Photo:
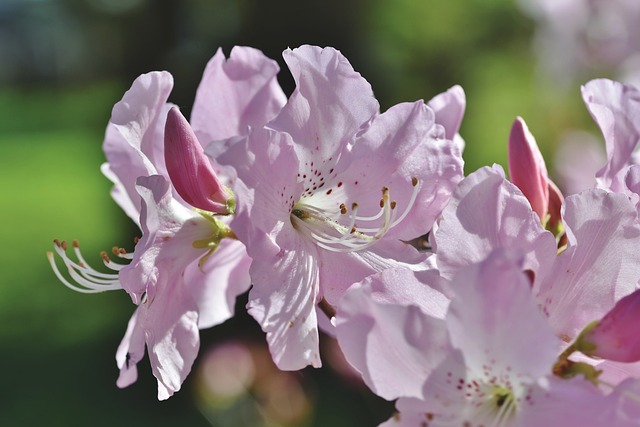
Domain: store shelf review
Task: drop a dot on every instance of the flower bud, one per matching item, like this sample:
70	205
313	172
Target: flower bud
190	169
616	336
527	169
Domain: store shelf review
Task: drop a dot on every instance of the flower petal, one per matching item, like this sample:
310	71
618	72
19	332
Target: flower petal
236	94
487	212
216	285
283	302
495	320
396	148
168	232
387	331
449	107
615	107
599	265
330	104
134	139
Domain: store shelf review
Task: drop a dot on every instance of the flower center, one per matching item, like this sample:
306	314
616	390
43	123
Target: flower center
344	230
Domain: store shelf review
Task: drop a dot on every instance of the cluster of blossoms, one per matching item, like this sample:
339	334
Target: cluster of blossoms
511	305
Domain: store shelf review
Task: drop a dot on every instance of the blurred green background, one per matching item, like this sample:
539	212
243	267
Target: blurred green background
63	64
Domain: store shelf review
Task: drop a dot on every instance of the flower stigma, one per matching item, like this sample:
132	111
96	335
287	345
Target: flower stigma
322	226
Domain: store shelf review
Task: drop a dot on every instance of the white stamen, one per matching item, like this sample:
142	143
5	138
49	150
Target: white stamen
334	236
87	279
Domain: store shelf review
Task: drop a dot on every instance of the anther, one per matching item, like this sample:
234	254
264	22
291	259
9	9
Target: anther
85	279
393	204
414	181
343	209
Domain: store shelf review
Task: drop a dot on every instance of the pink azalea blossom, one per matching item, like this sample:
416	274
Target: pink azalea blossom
183	275
487	363
596	268
328	191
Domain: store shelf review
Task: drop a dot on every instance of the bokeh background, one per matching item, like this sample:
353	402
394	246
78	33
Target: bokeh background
64	63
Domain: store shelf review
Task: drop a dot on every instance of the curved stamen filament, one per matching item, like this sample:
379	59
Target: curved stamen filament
87	279
335	236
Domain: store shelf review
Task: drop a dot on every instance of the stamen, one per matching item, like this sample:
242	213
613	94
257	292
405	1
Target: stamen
332	235
87	279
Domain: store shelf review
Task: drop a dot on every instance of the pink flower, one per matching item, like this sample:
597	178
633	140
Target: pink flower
184	274
597	267
328	191
488	362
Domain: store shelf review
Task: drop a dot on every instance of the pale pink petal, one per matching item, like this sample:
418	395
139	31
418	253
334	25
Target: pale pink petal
130	352
330	104
236	94
121	196
387	331
395	149
615	107
449	108
134	140
576	402
171	331
340	270
169	231
283	302
527	169
495	320
599	265
267	187
632	184
216	284
487	212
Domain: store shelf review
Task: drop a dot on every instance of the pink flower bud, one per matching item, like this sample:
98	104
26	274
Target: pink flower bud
617	336
527	169
190	169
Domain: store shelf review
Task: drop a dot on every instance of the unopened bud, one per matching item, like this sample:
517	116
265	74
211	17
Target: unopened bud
527	169
189	168
615	337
